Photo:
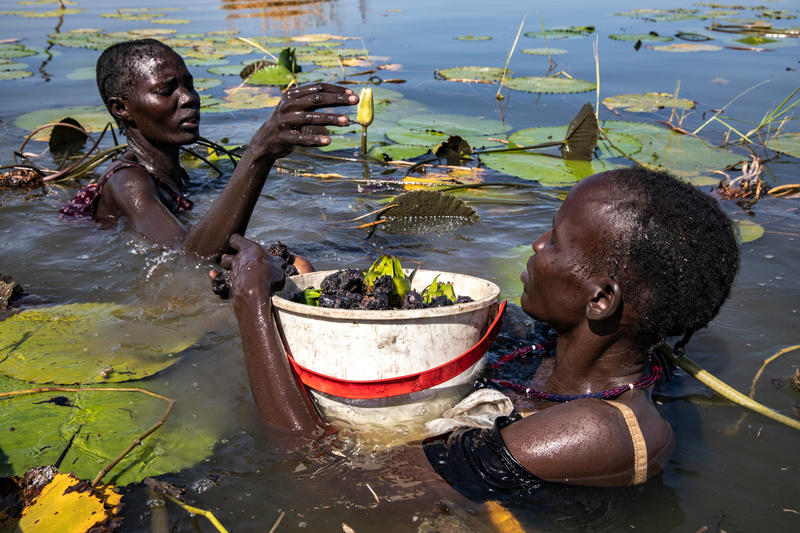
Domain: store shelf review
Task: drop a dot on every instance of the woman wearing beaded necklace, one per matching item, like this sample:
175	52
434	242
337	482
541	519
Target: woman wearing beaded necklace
634	256
150	93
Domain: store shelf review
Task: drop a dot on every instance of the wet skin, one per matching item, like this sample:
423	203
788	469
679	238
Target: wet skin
584	441
160	114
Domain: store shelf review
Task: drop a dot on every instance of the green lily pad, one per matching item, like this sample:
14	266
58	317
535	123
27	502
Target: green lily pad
203	84
574	32
398	152
664	15
245	98
785	143
547	166
73	343
15	74
686	156
547	84
688	47
474	38
544	51
92	118
453	124
647	103
748	231
507	266
643	37
271	75
16	50
83	73
38	428
473	73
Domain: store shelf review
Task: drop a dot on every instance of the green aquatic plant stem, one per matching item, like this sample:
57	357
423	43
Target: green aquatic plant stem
723	389
508	59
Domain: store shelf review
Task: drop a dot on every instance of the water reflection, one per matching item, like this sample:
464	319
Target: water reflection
282	15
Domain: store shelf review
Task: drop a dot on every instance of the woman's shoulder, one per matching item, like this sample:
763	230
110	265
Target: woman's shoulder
590	440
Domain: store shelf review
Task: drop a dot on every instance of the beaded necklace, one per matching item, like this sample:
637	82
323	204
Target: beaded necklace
641	383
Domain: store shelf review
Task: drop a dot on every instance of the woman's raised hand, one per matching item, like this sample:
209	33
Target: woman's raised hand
297	108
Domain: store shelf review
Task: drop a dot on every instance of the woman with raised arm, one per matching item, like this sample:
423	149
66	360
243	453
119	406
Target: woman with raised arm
149	91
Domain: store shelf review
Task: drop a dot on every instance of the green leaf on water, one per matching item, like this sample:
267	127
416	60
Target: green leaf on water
647	103
643	37
15	74
103	424
785	143
83	73
473	73
507	266
547	166
398	152
685	155
748	231
271	75
574	32
474	38
548	84
92	118
73	343
423	211
453	124
544	51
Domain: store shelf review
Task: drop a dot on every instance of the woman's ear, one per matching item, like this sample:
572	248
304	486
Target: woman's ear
118	108
606	299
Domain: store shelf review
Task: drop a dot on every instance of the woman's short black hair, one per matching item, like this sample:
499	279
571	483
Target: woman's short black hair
116	66
672	249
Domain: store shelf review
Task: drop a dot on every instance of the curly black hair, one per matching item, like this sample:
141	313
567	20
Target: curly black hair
672	249
116	67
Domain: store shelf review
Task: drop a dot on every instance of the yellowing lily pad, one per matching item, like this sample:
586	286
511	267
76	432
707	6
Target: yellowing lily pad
688	47
473	73
547	84
647	102
544	51
748	230
80	343
66	504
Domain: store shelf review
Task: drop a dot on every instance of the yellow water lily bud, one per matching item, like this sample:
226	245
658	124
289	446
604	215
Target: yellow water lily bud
366	111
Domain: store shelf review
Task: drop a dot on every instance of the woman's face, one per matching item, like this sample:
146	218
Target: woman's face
163	105
554	285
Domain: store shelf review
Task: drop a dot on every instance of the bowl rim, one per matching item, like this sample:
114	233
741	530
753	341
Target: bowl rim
283	304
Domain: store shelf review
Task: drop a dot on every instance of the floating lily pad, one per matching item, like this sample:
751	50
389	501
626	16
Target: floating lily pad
69	344
544	51
271	75
398	152
474	38
647	103
453	124
203	84
687	47
15	74
92	118
664	15
16	50
547	166
507	266
473	73
643	37
83	73
104	423
786	143
748	231
547	84
687	156
574	32
245	98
